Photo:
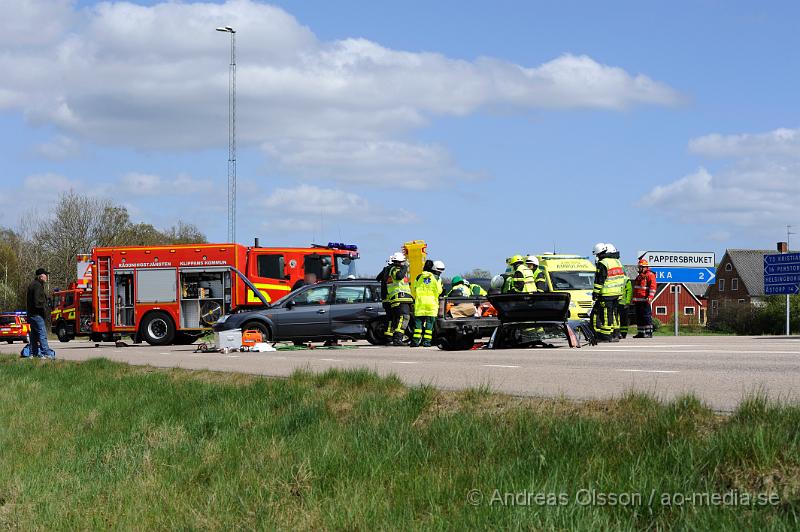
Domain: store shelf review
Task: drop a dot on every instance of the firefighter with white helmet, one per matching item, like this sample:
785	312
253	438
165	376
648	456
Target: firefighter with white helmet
538	275
427	289
398	295
520	280
609	286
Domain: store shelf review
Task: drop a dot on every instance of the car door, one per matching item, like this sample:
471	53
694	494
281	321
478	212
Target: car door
307	315
352	309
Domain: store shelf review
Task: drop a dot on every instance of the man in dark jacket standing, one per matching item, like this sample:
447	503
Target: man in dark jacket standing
37	316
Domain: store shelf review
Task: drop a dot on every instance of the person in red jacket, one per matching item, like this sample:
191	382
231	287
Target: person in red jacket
644	290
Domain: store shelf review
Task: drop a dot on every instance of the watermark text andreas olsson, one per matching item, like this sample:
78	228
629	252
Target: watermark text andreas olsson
594	497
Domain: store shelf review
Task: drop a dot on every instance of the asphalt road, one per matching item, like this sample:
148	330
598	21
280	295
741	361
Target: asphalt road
720	370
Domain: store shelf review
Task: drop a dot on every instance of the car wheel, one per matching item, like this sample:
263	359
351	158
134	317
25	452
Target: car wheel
375	332
260	327
10	341
157	329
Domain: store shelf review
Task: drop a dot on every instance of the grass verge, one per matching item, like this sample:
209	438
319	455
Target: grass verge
106	445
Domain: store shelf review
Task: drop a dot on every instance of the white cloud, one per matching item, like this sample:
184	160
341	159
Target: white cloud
781	142
155	77
31	23
48	184
301	208
139	184
758	189
59	148
386	162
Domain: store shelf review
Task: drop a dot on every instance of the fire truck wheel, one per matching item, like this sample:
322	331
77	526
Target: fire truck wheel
61	332
158	329
258	326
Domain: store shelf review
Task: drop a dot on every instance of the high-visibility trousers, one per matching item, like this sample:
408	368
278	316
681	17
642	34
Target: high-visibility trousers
423	329
604	316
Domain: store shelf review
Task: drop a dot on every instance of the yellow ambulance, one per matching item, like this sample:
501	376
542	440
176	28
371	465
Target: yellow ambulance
572	274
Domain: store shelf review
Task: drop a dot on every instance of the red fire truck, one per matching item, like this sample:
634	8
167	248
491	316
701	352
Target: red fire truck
173	294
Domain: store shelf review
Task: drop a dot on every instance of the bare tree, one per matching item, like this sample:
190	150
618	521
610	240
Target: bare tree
478	273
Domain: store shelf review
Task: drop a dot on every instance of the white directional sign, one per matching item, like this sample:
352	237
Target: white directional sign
680	259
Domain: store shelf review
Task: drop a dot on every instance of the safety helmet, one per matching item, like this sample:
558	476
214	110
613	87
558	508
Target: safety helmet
531	259
599	248
497	282
643	262
397	257
457	280
516	259
610	248
438	266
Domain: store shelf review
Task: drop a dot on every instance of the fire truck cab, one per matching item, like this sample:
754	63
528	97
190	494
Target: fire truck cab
71	314
173	294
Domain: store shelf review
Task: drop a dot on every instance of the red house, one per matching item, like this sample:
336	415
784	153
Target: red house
692	308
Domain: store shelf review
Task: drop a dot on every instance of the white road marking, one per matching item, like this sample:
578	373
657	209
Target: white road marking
498	366
648	370
163	353
404	362
649	346
232	356
699	351
330	359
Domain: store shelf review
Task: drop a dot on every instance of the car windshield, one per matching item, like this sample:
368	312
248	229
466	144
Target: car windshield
572	280
8	320
345	266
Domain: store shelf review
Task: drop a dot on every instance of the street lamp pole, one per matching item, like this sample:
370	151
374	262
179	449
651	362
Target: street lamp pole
231	137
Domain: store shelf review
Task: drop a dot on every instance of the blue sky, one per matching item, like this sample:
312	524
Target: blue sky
486	130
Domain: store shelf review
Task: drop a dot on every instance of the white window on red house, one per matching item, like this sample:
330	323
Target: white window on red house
714	303
688	311
722	285
741	301
729	267
661	311
734	284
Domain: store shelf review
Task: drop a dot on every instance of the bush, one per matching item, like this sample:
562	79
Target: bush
748	319
656	324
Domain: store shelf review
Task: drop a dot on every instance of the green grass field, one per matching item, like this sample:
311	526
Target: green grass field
101	445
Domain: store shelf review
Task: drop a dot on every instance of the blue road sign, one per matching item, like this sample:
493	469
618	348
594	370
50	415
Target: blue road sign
781	258
782	273
779	289
791	278
685	275
777	269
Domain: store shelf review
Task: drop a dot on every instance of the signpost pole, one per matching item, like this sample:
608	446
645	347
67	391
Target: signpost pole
675	314
788	248
788	331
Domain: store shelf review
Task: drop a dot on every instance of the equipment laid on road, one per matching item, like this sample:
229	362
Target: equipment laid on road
173	294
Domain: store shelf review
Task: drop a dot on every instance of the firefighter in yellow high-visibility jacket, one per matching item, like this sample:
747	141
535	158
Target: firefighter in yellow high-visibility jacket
427	289
609	285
